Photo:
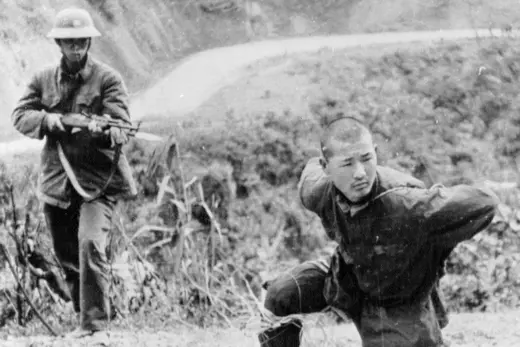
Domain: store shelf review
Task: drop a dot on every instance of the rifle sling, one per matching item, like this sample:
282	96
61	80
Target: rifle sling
74	180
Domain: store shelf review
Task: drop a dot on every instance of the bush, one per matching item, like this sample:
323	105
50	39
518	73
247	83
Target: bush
447	116
270	148
433	115
483	273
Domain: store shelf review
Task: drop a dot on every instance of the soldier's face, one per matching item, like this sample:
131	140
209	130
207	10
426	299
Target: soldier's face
74	50
352	167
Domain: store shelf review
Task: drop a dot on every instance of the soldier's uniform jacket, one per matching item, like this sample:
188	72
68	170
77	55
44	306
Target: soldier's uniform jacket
394	242
96	89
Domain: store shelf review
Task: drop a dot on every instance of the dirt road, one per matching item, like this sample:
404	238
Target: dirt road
198	77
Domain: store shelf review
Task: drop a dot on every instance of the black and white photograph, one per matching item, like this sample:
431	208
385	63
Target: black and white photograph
263	173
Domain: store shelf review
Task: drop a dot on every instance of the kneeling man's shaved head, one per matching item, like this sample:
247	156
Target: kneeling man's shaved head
341	131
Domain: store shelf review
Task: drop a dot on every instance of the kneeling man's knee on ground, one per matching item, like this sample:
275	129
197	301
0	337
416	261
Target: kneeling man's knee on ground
297	291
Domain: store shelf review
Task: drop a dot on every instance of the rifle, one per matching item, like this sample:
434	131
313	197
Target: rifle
82	120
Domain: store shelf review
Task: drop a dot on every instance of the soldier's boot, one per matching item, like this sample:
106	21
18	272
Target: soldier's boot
287	335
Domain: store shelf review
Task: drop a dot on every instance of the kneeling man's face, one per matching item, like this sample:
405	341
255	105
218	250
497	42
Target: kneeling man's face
352	167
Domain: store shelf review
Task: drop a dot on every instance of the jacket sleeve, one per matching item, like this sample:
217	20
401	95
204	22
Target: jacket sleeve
452	215
115	97
28	115
314	187
393	178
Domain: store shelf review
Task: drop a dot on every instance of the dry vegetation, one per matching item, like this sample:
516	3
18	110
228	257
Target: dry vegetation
218	210
145	41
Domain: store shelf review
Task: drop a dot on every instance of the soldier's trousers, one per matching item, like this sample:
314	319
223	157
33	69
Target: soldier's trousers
301	290
80	237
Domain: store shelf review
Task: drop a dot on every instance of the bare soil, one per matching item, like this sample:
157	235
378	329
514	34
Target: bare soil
464	330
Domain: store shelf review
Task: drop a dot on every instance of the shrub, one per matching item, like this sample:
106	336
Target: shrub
432	114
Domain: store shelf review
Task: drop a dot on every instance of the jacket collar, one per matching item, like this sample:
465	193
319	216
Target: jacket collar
347	206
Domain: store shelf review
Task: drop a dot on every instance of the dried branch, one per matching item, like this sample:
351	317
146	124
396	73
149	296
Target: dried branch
180	245
22	289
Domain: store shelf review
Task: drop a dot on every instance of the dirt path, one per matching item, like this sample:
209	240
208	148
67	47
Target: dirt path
464	330
201	75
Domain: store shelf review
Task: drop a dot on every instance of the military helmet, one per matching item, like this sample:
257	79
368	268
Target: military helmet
73	23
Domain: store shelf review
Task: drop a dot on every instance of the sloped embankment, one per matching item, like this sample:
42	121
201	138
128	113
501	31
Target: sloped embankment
142	39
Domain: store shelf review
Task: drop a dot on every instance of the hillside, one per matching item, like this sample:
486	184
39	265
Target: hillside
434	114
434	117
445	113
142	41
145	41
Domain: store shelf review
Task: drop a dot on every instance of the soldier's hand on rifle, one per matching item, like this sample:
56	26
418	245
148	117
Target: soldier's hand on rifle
94	127
52	123
118	136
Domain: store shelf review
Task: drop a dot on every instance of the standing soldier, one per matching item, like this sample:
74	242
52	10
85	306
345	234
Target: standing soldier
393	237
83	172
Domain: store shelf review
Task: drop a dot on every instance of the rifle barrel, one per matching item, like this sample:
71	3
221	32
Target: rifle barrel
123	126
80	120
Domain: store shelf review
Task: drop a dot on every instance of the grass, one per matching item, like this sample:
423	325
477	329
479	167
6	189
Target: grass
464	330
365	82
398	88
255	150
168	31
247	148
